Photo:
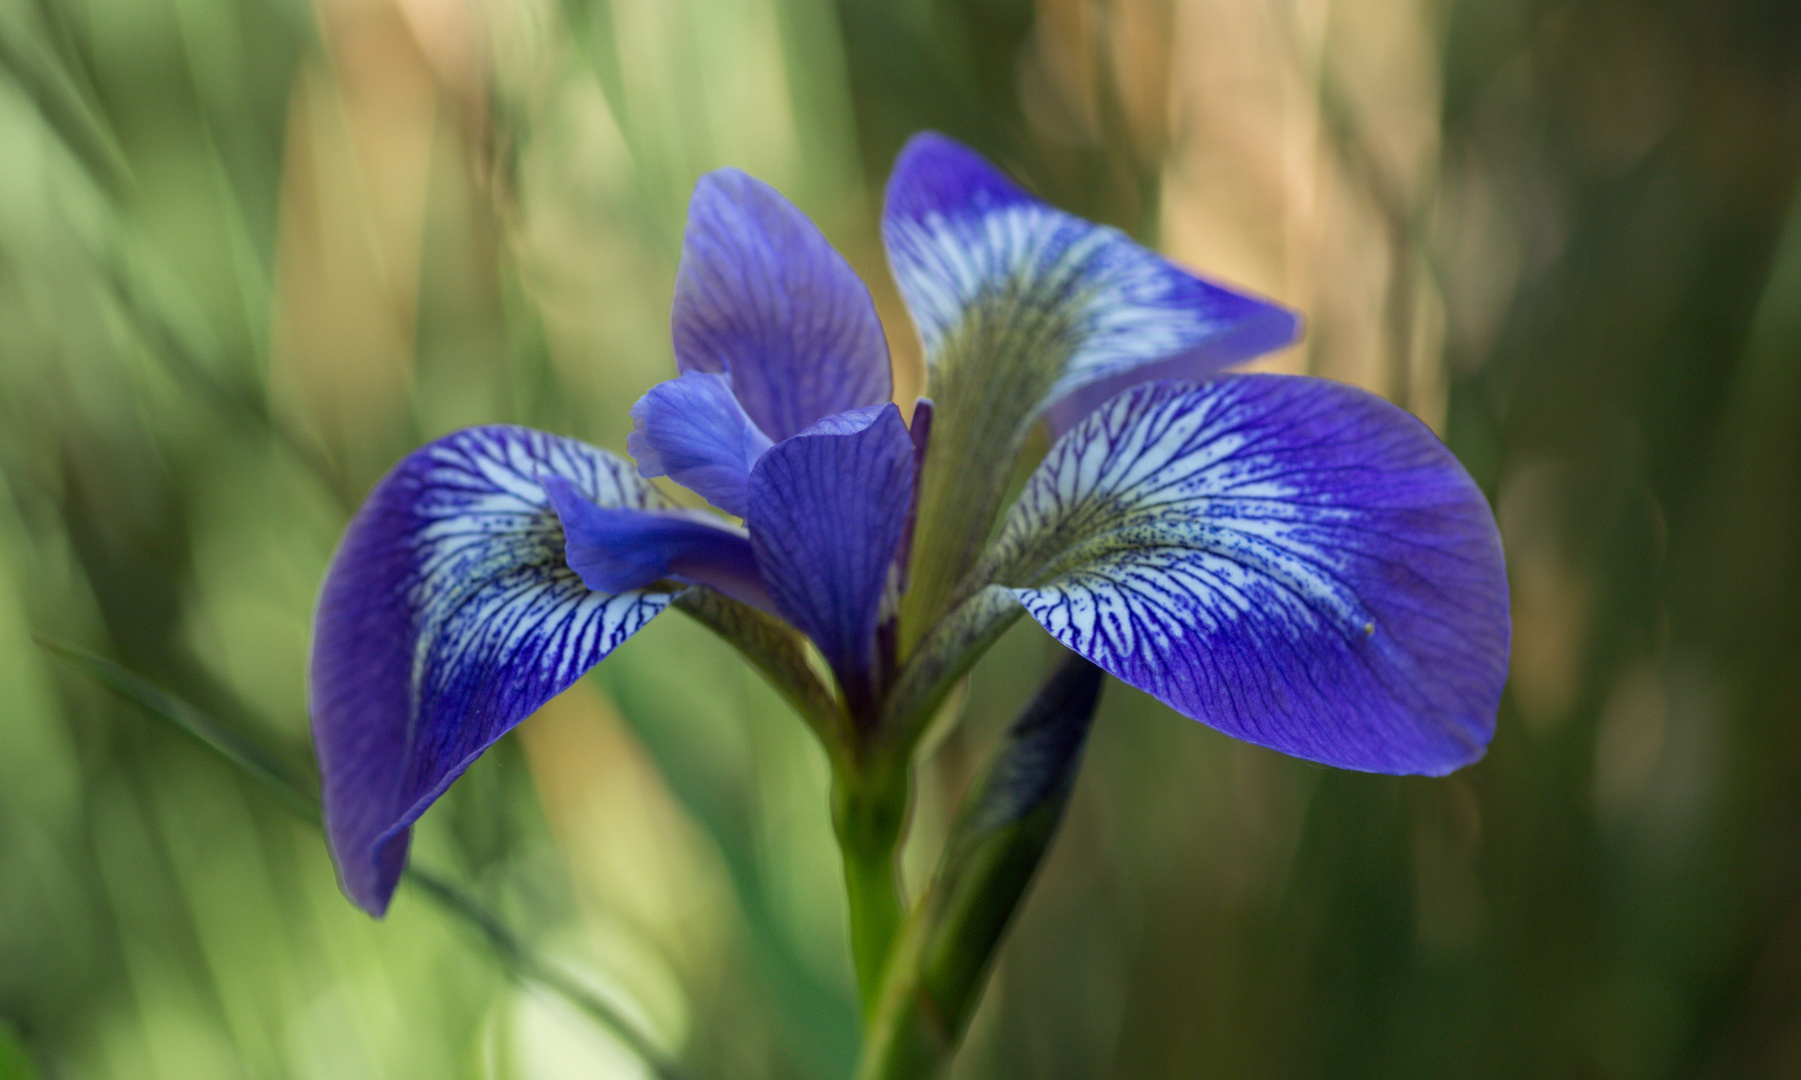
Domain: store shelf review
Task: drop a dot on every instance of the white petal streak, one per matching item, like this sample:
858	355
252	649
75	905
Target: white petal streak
1124	306
492	593
1294	561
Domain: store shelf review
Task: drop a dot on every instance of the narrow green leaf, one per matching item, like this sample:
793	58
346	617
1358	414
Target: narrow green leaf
66	110
286	783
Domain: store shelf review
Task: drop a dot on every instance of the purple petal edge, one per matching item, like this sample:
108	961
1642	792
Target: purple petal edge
936	174
1257	328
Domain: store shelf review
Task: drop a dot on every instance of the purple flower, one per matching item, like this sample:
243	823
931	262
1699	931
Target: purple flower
1292	561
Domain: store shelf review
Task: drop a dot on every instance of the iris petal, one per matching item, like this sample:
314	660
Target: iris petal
827	510
448	615
762	296
1252	336
1023	308
616	550
974	254
1292	561
694	431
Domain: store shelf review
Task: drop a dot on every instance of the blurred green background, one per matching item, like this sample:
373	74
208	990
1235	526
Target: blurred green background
252	251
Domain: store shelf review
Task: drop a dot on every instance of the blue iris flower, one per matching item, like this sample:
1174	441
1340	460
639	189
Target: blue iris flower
1292	561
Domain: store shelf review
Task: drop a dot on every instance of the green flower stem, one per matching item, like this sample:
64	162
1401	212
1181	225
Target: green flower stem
869	811
869	801
872	782
939	967
907	1039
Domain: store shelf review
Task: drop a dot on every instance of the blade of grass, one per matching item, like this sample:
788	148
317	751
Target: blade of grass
71	117
258	763
294	790
58	97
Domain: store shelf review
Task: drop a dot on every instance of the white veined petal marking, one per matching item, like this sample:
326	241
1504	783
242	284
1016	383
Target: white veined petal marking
1293	561
1161	512
1118	301
1019	305
448	615
492	591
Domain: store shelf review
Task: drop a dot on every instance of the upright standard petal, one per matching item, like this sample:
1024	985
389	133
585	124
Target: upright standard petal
1022	309
761	295
694	431
448	615
1295	562
827	510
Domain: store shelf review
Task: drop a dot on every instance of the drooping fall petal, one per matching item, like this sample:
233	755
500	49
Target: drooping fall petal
1293	561
449	614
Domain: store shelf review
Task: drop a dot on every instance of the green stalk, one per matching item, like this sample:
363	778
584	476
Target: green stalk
872	785
869	810
940	964
871	788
